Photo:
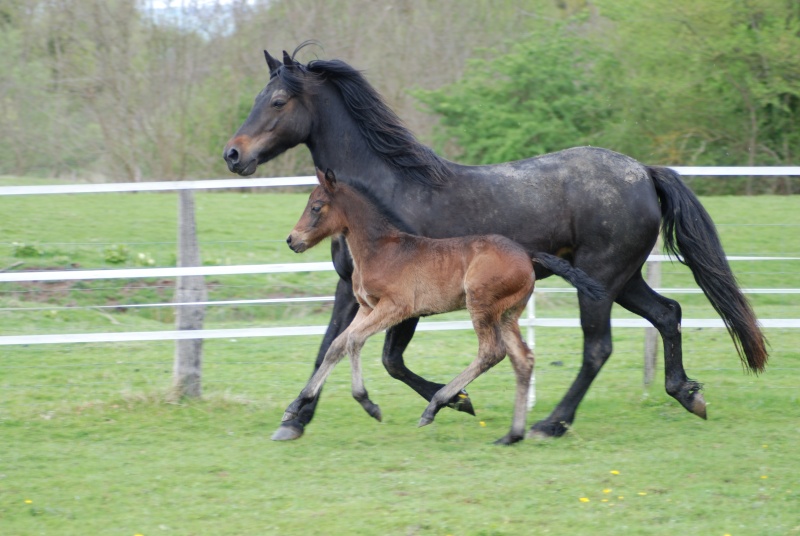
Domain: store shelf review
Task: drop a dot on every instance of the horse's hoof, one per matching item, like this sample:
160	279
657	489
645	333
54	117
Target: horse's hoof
287	433
699	406
509	439
462	402
547	430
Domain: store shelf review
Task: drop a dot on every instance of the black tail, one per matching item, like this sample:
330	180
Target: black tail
690	235
577	277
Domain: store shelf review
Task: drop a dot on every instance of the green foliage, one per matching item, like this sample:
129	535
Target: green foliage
668	82
541	96
21	249
116	254
709	83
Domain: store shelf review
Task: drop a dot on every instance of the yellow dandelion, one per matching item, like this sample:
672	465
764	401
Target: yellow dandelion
763	446
642	493
482	423
607	490
614	472
620	497
28	501
764	477
584	499
603	500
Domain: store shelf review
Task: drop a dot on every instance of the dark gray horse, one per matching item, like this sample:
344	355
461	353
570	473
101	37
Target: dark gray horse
598	209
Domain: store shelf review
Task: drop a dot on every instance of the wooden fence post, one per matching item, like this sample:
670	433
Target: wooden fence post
187	370
653	278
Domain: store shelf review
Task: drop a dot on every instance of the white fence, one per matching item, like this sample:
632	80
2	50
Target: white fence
427	325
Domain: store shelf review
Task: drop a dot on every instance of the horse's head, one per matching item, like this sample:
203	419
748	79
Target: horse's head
278	121
320	219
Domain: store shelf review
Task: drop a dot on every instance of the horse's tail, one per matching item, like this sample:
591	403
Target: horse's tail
690	235
577	277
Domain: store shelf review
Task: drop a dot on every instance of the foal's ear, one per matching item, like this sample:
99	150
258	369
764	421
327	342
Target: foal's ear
272	63
330	181
287	59
320	177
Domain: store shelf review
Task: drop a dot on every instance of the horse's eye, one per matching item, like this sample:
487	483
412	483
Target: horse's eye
278	104
316	209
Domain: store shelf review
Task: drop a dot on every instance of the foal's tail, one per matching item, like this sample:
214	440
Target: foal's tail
690	235
577	277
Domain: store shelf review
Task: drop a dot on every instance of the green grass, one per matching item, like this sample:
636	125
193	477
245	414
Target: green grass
90	443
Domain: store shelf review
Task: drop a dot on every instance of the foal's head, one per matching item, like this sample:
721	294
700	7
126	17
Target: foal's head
321	218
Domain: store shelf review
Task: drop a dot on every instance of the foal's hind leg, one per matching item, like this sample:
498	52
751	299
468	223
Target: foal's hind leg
397	339
490	352
665	315
522	361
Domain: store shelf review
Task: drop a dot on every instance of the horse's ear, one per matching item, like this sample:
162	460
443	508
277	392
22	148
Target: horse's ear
320	177
287	59
272	63
330	181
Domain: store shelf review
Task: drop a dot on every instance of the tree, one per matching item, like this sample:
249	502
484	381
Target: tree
542	96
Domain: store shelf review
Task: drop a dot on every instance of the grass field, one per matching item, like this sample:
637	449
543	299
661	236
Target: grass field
90	443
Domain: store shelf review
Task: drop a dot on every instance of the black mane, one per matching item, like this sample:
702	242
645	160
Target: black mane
382	130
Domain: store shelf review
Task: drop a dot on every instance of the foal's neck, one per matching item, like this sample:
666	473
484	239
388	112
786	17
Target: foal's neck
365	225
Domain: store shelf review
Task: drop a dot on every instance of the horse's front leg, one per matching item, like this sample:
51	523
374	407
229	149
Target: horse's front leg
397	340
345	308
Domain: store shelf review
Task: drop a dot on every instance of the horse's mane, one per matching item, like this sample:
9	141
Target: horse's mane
382	130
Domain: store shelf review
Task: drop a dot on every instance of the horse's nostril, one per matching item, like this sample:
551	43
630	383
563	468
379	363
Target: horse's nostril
233	155
289	239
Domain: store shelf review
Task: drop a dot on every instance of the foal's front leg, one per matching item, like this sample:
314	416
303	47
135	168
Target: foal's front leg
334	354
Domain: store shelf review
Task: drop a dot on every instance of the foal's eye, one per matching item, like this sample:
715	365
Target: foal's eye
316	209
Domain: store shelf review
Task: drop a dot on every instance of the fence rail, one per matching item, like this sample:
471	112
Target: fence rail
318	266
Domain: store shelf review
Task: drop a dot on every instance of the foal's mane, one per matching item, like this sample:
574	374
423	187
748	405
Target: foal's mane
384	212
382	130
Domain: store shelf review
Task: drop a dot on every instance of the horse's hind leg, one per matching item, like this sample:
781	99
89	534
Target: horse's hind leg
490	352
596	325
522	361
665	315
397	339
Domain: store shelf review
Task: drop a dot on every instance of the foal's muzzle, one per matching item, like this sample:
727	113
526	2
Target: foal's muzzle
298	246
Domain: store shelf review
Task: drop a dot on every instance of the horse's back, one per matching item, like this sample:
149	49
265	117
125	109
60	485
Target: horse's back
567	199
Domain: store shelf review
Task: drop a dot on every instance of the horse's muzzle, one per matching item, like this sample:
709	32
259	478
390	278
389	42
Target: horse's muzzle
237	164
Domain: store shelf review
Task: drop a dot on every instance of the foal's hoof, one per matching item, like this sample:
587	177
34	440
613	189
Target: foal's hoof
374	411
287	433
462	402
547	430
425	420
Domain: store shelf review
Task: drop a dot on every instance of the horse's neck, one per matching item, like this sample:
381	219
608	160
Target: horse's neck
335	141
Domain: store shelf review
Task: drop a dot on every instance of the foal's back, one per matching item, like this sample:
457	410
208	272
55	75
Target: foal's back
447	274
